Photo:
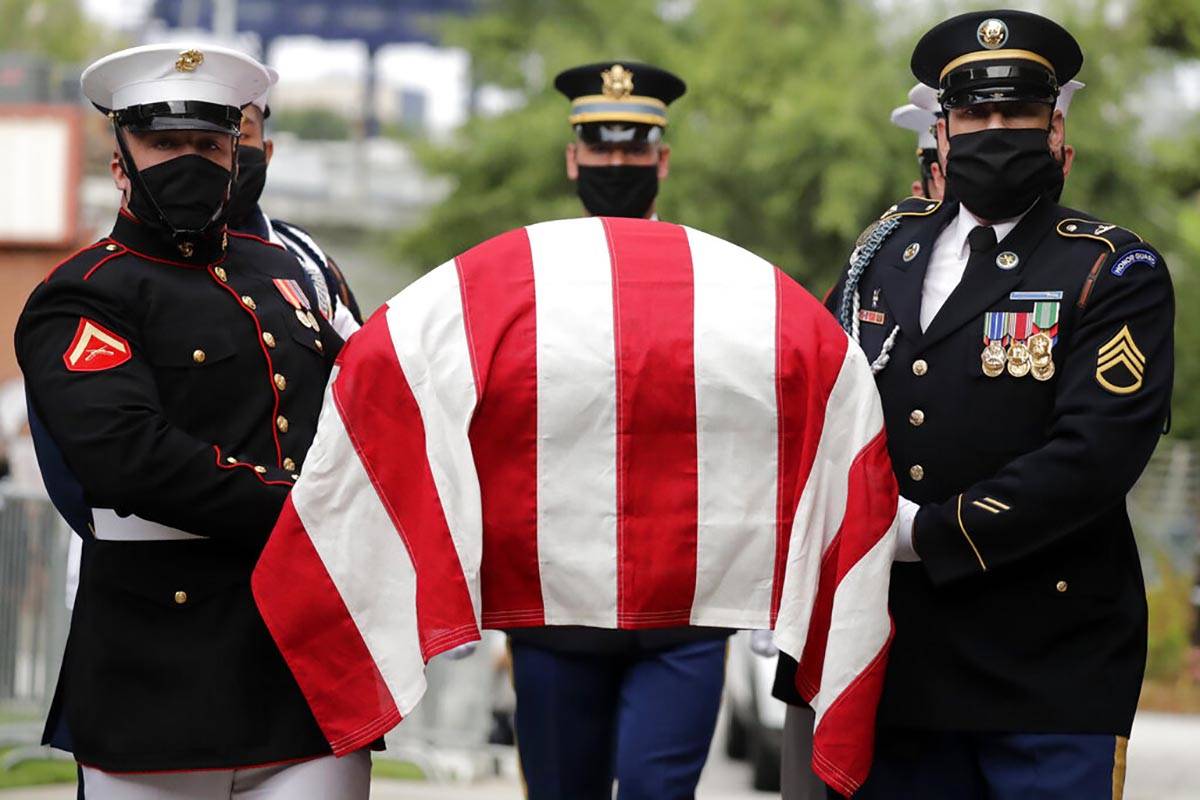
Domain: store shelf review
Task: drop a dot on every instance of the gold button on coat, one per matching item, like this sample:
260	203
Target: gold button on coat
112	248
916	472
230	460
198	356
1061	586
248	301
289	465
269	338
180	597
917	418
260	469
320	345
920	367
220	273
281	423
280	382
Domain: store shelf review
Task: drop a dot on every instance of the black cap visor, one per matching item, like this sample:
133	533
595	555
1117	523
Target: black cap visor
997	83
180	115
618	134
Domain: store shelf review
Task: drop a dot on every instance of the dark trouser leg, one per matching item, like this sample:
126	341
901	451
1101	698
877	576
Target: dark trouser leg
923	765
669	703
565	722
1034	766
798	781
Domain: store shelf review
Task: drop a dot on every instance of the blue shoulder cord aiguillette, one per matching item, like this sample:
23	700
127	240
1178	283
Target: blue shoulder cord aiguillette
851	302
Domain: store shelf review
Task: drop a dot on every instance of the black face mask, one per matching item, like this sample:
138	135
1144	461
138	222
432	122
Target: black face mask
618	191
1000	172
190	191
251	178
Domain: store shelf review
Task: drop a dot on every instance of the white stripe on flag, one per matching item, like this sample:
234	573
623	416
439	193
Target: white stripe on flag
737	446
577	422
859	624
853	418
430	339
364	555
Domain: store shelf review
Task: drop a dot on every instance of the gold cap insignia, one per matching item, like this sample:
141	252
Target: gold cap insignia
1121	351
618	82
992	33
188	61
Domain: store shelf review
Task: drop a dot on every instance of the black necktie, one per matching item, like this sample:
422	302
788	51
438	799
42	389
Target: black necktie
981	239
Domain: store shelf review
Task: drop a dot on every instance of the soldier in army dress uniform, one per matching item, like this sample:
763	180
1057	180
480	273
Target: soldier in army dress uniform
1024	355
175	371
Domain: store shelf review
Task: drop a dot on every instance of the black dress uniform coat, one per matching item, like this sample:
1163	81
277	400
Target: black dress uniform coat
183	391
1027	611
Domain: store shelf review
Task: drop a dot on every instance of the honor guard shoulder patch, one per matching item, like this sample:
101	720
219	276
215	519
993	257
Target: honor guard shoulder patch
912	207
1120	365
1111	236
95	348
1129	259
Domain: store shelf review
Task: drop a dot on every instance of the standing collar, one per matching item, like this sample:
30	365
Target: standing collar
160	246
966	222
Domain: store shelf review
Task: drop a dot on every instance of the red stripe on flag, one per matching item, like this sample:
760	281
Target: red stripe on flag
496	279
384	424
870	511
844	742
805	374
657	495
317	637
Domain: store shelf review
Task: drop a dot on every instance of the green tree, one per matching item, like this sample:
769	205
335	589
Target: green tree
311	123
55	28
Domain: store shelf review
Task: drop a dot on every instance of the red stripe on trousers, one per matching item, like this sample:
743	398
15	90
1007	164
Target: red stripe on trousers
317	637
384	424
870	511
809	351
653	308
496	279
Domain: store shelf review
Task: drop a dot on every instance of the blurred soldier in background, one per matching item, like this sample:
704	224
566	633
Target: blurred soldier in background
175	371
596	704
335	301
932	182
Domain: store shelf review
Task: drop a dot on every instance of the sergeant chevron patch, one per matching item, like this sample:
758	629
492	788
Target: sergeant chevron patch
1120	366
95	348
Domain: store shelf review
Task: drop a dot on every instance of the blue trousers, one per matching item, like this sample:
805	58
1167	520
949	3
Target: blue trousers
924	765
645	719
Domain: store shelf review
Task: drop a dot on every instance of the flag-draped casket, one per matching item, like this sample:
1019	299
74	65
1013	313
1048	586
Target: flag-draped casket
605	422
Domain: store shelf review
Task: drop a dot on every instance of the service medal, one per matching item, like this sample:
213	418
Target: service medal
1019	362
995	324
303	317
993	360
1044	372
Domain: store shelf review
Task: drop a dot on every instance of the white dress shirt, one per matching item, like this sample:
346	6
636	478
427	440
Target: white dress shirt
947	263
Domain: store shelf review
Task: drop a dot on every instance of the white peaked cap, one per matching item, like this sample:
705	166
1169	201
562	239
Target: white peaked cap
925	97
920	120
1066	92
261	100
159	73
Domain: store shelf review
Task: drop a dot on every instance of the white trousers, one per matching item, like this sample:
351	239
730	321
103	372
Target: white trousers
346	778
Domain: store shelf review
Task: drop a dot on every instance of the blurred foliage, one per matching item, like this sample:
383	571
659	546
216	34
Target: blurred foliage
54	28
310	123
1170	619
782	142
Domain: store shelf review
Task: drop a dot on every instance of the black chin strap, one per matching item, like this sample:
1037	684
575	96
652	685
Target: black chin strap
184	240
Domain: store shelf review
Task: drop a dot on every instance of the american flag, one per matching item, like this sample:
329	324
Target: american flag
605	422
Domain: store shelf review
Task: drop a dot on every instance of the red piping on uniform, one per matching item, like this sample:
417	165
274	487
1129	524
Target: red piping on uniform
157	260
255	238
236	464
105	260
72	256
270	365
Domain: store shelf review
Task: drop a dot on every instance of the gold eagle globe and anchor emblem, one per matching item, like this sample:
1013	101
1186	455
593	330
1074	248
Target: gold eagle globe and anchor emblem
992	33
189	60
618	82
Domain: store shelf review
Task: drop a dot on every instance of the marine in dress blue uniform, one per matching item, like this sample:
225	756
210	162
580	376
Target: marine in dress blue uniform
1022	402
595	705
174	372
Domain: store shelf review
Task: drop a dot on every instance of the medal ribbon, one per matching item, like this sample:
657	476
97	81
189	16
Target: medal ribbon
1045	319
995	324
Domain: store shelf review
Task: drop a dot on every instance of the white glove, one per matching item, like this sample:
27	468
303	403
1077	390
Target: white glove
462	651
762	643
906	520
